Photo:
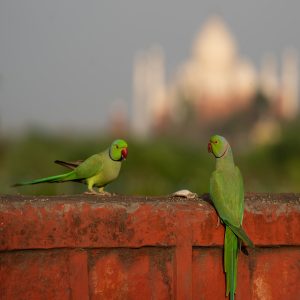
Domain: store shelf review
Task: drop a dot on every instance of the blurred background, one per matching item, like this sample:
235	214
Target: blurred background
164	75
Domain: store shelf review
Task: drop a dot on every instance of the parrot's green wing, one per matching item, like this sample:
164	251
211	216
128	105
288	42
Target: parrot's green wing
227	192
90	167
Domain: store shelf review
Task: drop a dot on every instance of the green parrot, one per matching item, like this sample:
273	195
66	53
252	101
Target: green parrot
96	171
227	194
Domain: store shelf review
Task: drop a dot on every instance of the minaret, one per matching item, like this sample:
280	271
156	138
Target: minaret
159	105
269	82
148	90
290	85
140	122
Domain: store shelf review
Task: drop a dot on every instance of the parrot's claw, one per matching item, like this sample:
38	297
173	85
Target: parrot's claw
185	193
98	193
104	193
90	193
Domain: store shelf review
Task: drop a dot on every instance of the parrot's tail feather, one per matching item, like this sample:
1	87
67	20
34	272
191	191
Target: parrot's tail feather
55	178
230	261
239	231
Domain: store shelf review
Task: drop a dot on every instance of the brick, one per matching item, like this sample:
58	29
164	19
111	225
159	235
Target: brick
34	275
275	273
144	273
78	272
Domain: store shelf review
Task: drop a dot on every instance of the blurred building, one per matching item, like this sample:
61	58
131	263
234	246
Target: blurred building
281	89
215	81
149	91
289	97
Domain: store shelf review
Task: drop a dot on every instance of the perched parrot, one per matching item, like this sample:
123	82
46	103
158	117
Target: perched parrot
227	194
96	171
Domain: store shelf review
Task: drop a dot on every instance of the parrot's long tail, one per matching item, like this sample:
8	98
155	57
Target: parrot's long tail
55	178
230	261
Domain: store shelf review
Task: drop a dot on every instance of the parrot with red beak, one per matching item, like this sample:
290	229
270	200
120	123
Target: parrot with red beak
96	171
227	194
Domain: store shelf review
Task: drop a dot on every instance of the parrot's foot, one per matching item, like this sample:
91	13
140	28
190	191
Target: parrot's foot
185	193
90	193
244	250
103	193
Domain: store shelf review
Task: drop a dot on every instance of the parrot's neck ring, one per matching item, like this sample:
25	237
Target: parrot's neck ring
225	151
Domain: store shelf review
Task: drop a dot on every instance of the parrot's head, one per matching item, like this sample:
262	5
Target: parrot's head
118	150
218	146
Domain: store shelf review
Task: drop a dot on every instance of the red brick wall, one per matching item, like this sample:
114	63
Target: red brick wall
79	247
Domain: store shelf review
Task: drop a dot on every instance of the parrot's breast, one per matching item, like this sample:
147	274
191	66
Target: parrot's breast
109	173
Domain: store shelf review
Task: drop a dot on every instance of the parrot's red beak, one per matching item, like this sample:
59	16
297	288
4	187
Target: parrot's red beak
124	153
209	148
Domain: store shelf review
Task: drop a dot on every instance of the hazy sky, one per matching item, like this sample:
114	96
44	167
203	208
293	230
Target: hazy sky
63	62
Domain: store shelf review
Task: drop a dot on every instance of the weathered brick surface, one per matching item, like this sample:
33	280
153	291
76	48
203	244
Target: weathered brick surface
126	273
275	273
29	274
78	247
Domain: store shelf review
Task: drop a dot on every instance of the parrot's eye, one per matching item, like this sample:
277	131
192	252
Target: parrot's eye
117	146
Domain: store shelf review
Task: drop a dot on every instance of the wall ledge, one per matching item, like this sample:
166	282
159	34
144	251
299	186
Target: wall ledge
31	222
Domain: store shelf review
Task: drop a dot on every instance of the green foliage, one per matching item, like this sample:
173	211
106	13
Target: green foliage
155	167
275	167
